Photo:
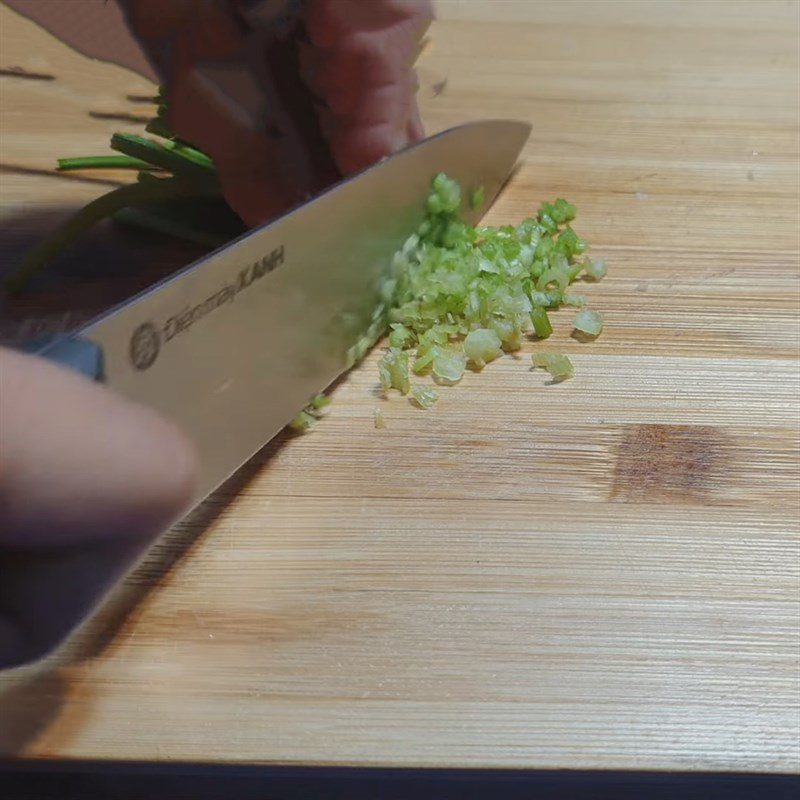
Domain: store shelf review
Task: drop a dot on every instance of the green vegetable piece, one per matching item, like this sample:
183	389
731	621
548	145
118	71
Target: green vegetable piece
574	300
184	161
445	195
573	270
482	346
424	396
393	371
547	221
558	365
320	402
401	336
589	323
476	198
449	366
553	275
560	262
303	422
103	162
544	248
310	415
595	270
461	293
563	211
424	359
541	322
509	333
380	421
559	212
569	244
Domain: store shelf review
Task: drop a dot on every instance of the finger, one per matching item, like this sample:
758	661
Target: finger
216	104
87	480
260	170
329	21
378	127
360	63
390	103
208	24
415	130
79	464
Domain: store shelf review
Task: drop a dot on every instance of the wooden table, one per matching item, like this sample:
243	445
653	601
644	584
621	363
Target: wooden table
600	574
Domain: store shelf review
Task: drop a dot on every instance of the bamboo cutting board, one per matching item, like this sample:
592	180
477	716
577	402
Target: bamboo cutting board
603	573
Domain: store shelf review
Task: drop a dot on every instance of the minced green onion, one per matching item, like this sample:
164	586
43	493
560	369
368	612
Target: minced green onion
561	211
311	414
574	300
476	199
424	396
445	197
424	361
553	275
459	294
595	270
558	365
541	322
303	422
465	294
400	335
449	365
393	370
320	402
589	322
482	346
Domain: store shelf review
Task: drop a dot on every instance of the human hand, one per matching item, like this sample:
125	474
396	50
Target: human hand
87	480
238	86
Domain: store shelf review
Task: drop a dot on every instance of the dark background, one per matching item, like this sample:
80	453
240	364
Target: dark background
130	781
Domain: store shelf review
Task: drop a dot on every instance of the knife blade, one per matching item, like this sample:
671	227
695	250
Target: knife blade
234	345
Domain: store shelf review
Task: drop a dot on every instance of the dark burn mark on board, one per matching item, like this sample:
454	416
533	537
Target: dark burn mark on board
669	464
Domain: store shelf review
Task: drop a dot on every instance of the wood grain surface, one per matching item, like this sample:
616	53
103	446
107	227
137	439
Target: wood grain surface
603	573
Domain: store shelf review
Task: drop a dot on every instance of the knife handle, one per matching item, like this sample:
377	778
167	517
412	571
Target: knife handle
73	352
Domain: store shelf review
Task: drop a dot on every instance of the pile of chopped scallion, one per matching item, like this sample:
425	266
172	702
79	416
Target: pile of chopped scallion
463	295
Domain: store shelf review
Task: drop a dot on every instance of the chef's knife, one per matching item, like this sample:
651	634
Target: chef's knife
233	346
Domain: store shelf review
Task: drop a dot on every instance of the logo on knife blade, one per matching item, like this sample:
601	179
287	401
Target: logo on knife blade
148	338
144	347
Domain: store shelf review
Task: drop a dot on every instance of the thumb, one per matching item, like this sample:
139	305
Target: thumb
79	463
87	480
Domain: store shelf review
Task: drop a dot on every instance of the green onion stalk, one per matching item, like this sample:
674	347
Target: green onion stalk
174	180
